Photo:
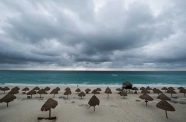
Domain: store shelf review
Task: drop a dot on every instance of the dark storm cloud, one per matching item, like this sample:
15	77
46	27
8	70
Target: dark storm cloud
111	34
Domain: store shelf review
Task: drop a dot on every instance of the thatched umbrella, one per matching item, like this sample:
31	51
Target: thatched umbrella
127	85
47	88
183	91
54	92
95	91
67	88
157	91
7	98
171	91
145	91
146	97
48	105
148	88
135	90
164	105
179	88
13	91
5	89
118	89
67	92
57	88
31	92
123	93
98	89
94	101
170	88
25	89
41	91
15	88
164	88
87	90
78	90
142	88
36	88
163	97
108	91
81	94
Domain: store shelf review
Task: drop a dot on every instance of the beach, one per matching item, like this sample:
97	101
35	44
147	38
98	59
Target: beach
116	108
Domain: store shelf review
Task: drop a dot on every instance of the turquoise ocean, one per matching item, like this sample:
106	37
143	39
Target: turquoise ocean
139	78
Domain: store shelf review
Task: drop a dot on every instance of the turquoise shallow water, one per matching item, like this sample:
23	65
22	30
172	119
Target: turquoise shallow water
93	77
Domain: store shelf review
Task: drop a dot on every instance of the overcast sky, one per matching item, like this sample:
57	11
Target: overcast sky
93	34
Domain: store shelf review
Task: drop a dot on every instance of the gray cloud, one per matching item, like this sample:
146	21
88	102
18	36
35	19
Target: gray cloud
108	34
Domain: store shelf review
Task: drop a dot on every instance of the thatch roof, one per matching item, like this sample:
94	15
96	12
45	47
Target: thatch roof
146	97
87	90
171	91
67	92
54	91
163	97
42	91
95	91
25	89
118	89
15	88
123	93
8	98
49	104
81	94
36	88
148	88
108	90
142	88
164	88
78	90
127	85
14	91
67	88
134	88
57	88
5	88
155	90
171	88
31	92
94	101
145	91
98	89
47	88
165	106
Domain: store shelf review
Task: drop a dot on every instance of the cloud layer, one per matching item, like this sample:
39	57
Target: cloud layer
93	34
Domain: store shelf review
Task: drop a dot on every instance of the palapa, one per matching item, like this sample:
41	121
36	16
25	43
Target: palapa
164	105
94	101
7	98
67	93
81	94
41	91
163	97
5	89
54	91
48	105
78	90
87	90
31	92
146	97
108	91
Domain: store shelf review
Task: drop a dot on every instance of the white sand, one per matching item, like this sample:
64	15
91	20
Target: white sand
114	109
